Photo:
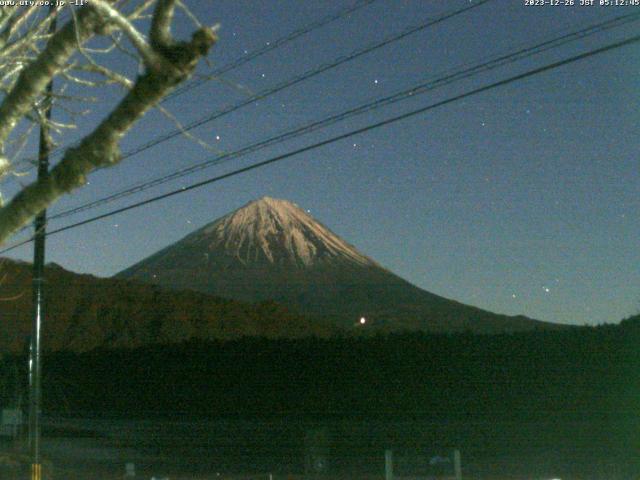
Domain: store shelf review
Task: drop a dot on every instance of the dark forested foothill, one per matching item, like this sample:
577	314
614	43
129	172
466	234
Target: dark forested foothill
567	392
585	371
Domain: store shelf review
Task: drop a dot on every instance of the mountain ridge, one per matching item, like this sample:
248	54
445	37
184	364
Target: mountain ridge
271	249
283	229
83	312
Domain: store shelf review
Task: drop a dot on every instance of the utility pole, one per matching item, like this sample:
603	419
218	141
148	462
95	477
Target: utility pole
457	465
35	350
388	465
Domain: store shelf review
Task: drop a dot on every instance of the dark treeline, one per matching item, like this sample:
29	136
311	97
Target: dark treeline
577	371
569	398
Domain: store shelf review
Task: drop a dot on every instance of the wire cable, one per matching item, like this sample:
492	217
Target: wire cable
270	46
382	123
301	78
446	79
293	81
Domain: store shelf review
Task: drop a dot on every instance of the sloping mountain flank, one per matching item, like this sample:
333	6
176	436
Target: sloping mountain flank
271	249
83	312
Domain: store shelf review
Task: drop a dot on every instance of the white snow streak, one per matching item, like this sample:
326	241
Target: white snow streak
274	229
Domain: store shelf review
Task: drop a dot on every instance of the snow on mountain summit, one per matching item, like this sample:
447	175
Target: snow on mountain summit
276	231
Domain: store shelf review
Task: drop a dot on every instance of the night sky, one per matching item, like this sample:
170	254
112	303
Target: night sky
521	200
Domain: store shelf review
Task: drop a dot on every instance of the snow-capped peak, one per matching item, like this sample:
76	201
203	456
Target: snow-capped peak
276	231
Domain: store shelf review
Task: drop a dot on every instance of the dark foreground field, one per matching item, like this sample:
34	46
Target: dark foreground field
99	449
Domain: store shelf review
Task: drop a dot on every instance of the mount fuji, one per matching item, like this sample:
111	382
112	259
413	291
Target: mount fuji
271	249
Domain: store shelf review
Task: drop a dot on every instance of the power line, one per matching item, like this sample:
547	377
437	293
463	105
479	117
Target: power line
382	123
270	46
429	85
297	79
302	77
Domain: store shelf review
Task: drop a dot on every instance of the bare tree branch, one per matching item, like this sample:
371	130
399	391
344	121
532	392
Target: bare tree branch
161	24
35	77
148	54
101	148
